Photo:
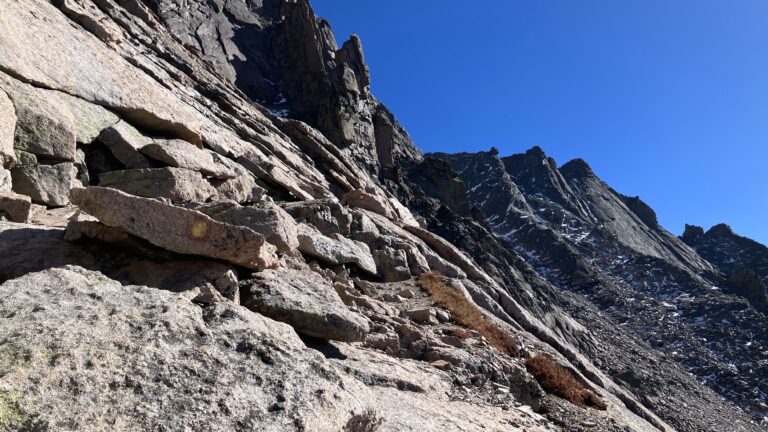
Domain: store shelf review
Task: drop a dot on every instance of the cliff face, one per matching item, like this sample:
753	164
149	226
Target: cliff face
281	55
209	223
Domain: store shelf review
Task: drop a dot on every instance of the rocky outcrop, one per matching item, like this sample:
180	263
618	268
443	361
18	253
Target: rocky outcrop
181	154
267	219
743	261
190	232
15	207
642	210
626	254
125	142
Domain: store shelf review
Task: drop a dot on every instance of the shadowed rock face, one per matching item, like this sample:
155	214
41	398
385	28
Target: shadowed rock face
205	132
281	55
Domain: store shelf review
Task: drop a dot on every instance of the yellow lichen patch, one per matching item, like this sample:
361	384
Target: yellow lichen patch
199	229
11	417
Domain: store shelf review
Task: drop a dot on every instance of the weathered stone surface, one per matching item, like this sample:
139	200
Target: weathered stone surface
202	281
14	206
377	203
124	141
91	18
361	199
45	124
267	219
423	316
176	229
242	187
53	216
5	180
165	78
24	159
7	130
82	65
175	184
306	301
328	216
134	358
46	184
88	227
335	249
43	105
29	248
392	264
181	154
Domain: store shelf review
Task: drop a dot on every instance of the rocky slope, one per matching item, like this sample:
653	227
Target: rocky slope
211	224
588	239
743	261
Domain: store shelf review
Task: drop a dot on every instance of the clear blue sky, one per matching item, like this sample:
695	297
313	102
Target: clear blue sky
665	99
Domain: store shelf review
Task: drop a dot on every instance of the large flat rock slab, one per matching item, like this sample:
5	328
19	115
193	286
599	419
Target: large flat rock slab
38	43
176	229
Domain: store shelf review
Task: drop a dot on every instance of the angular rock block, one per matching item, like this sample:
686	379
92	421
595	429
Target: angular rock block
175	184
15	207
176	229
266	219
336	250
24	159
124	141
46	184
385	206
306	301
326	215
242	187
361	199
392	264
45	124
181	154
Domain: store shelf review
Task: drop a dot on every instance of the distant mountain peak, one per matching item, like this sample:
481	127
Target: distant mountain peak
692	232
720	229
577	168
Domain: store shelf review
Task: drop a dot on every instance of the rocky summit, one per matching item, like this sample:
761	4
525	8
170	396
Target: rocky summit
209	223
